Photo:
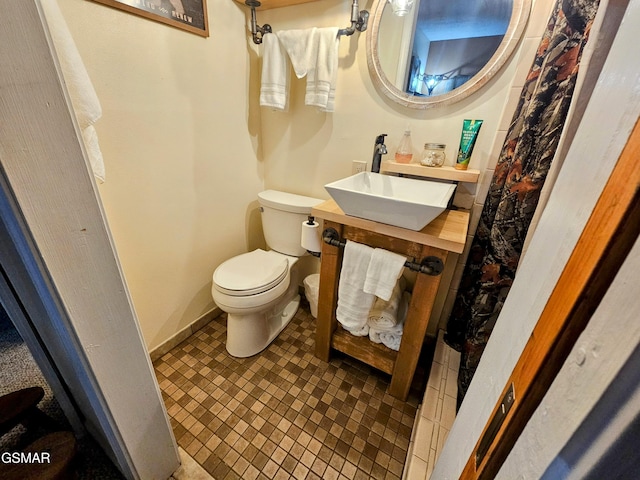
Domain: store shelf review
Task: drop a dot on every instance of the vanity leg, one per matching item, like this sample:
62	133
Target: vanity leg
415	328
330	265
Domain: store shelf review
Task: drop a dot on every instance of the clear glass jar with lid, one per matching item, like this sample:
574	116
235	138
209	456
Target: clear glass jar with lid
433	155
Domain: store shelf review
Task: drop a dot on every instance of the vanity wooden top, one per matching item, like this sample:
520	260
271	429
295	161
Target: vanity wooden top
448	231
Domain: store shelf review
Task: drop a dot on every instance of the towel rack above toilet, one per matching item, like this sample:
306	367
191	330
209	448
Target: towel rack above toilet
359	21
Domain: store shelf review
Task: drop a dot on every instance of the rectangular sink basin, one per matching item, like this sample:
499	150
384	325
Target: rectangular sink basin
402	202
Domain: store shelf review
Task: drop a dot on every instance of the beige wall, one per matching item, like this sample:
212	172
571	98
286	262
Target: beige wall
187	146
180	145
304	149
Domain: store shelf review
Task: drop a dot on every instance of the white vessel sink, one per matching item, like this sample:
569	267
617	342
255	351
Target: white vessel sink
402	202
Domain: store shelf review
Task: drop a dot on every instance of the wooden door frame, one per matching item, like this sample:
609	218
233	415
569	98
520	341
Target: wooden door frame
607	238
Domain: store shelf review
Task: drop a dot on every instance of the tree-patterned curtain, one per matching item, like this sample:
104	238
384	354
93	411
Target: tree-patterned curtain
526	156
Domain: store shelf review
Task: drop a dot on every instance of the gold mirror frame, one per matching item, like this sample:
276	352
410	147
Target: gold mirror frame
519	18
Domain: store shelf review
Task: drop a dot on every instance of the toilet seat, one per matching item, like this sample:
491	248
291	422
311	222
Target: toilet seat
251	273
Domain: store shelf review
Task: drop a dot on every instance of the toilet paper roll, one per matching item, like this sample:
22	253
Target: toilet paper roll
311	236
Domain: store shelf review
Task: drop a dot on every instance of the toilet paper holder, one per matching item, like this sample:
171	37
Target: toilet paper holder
309	244
430	265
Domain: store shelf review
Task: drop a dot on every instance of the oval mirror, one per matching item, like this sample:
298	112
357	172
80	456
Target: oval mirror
442	50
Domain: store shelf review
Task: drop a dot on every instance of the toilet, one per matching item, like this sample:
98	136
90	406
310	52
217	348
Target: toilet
259	290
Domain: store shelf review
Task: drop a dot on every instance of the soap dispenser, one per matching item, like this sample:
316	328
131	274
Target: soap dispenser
404	154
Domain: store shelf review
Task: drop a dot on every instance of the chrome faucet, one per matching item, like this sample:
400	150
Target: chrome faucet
378	150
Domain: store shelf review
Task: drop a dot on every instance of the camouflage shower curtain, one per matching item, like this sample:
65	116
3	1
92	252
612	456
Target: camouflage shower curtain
520	173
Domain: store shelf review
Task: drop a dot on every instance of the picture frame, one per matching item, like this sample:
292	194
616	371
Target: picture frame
189	15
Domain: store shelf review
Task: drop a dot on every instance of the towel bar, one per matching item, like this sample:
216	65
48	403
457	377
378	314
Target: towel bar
429	265
359	21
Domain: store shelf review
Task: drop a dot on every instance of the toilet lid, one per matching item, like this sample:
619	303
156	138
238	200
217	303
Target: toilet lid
251	273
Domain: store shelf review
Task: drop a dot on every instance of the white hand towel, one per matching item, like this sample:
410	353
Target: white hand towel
83	96
384	313
323	73
353	303
383	273
274	90
314	53
302	48
393	337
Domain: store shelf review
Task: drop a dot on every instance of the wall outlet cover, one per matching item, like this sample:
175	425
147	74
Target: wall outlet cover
358	166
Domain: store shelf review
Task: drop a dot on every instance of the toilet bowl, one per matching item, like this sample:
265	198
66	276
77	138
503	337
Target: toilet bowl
259	290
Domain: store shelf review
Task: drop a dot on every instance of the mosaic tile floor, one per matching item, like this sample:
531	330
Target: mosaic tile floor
283	413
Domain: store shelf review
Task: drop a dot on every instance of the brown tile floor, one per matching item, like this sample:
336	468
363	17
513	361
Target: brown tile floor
283	413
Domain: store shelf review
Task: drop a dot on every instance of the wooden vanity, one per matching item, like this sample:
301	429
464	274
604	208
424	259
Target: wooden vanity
447	233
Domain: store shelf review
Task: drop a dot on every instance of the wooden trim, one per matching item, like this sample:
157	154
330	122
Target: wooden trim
328	294
400	246
606	240
442	173
142	11
374	354
448	231
415	328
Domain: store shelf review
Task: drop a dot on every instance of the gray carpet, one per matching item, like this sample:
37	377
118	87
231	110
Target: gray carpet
18	370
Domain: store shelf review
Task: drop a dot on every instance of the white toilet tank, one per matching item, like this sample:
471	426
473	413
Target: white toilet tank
282	217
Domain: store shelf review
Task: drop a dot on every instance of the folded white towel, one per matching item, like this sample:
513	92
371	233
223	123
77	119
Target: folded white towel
391	340
322	76
383	273
83	96
384	313
274	90
358	332
302	48
353	303
90	137
374	335
392	337
314	53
